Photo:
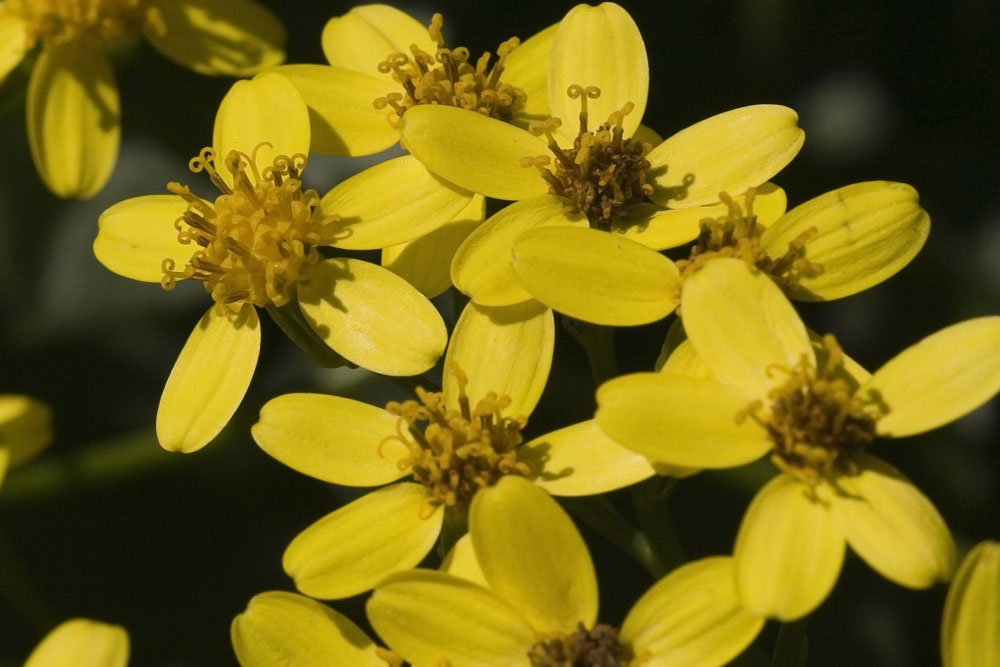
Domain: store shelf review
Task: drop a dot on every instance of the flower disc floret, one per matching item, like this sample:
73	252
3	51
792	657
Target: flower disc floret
597	647
60	21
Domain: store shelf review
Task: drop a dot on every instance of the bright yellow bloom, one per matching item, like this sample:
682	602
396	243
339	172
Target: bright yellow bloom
25	430
537	601
82	643
970	631
451	443
256	245
761	386
73	108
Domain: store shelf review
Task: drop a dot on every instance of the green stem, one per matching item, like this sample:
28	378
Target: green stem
455	525
598	513
792	647
599	344
652	509
293	323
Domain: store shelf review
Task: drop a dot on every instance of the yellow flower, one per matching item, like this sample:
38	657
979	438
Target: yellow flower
82	643
970	631
759	386
536	601
73	107
256	245
452	443
25	430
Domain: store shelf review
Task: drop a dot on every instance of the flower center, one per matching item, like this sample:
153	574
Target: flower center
59	21
454	453
598	647
816	422
259	237
603	173
449	78
738	235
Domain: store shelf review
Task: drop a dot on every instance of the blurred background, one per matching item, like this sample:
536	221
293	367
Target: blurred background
109	526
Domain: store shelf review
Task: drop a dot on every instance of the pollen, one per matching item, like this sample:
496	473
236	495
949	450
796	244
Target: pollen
738	235
61	21
456	452
817	424
598	647
258	238
449	77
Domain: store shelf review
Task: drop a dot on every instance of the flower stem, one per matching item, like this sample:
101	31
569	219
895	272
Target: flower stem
792	647
650	499
599	344
293	323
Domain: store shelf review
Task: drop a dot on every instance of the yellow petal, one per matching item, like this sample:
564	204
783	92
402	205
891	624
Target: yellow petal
892	526
348	551
864	233
684	361
82	643
941	378
594	276
73	119
227	37
285	628
527	68
341	113
25	428
478	153
730	152
482	265
532	555
135	236
970	631
788	551
425	262
267	108
580	460
461	562
208	380
691	617
432	618
14	42
741	324
368	34
680	420
5	455
392	202
372	317
599	46
337	440
507	350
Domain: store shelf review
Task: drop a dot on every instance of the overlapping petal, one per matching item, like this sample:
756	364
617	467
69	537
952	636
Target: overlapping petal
970	630
13	42
135	236
81	642
526	68
367	34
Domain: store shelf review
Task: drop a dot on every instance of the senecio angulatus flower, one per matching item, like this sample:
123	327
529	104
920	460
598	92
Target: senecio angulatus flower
25	430
257	245
970	630
73	107
81	641
750	382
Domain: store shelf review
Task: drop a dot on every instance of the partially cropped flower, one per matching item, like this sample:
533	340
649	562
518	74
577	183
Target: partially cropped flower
451	444
73	106
763	389
256	246
25	430
970	631
82	643
537	602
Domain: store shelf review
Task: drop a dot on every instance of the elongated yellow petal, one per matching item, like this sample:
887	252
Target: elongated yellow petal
368	34
892	526
337	440
285	628
938	380
527	68
390	203
482	265
970	631
432	618
595	276
267	108
425	262
691	617
684	361
74	119
532	555
478	153
81	642
208	380
135	236
680	420
227	37
372	317
14	42
864	233
507	350
580	460
741	324
729	152
25	428
461	562
348	551
341	115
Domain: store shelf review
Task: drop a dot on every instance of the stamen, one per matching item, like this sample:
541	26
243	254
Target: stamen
62	21
597	647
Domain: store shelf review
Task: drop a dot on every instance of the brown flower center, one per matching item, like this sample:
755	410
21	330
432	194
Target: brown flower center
60	21
597	647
